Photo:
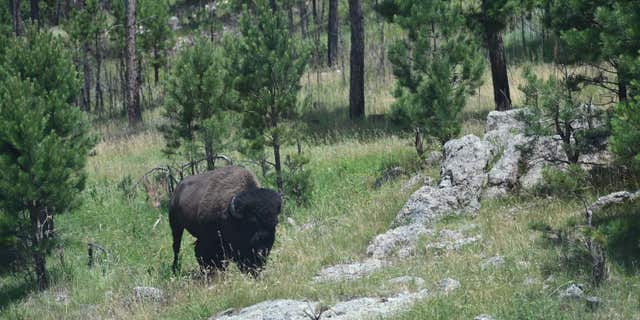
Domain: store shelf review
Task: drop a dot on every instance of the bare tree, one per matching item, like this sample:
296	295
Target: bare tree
356	88
17	19
332	33
35	12
304	19
132	86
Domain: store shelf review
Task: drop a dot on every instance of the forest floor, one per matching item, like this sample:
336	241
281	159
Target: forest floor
345	213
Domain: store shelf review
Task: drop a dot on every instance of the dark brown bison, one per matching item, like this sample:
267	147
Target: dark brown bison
228	213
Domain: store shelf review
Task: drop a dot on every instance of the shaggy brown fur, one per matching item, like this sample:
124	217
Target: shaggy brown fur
201	204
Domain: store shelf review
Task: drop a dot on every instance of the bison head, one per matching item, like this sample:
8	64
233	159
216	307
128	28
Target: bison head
254	214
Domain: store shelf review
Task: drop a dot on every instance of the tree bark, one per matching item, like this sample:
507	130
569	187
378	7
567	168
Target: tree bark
278	164
332	33
86	70
382	46
156	66
41	230
98	55
35	12
501	93
304	19
17	18
622	91
356	88
132	95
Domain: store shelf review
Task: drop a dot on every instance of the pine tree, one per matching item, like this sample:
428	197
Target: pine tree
197	106
437	66
267	64
44	140
625	135
156	38
604	34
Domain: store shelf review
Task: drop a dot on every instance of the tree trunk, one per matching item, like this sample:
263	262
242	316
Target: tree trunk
501	94
356	88
98	55
382	46
17	18
56	15
622	89
522	33
208	153
86	70
41	230
132	95
332	33
278	165
304	19
292	27
35	12
156	66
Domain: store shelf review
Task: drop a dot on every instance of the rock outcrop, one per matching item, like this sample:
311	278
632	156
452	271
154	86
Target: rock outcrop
356	309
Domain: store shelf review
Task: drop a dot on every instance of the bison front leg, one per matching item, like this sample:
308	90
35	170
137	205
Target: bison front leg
210	255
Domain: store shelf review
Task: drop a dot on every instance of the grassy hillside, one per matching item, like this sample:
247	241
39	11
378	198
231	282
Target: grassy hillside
346	212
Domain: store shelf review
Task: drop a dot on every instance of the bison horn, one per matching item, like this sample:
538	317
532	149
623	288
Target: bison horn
232	209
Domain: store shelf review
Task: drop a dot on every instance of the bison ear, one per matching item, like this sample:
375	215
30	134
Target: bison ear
233	210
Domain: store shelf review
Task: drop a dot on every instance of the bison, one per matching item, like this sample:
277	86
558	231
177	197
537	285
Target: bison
232	218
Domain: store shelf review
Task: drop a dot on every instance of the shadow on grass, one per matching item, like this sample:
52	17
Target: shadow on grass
620	229
14	288
329	126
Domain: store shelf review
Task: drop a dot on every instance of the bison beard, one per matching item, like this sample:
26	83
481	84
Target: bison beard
232	218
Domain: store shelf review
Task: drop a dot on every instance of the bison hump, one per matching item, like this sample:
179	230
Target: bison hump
220	186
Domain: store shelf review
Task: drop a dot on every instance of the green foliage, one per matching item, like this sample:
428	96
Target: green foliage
267	64
198	101
44	138
553	108
298	180
87	24
625	136
603	33
437	67
157	37
570	182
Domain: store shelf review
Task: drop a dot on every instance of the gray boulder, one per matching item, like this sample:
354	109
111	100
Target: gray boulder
493	262
356	309
465	161
407	281
148	294
404	237
448	285
542	152
349	271
503	176
574	291
272	310
374	308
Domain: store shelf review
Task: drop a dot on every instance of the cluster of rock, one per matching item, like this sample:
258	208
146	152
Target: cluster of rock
360	308
471	168
354	309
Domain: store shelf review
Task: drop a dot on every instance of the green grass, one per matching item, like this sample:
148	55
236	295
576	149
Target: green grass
346	213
